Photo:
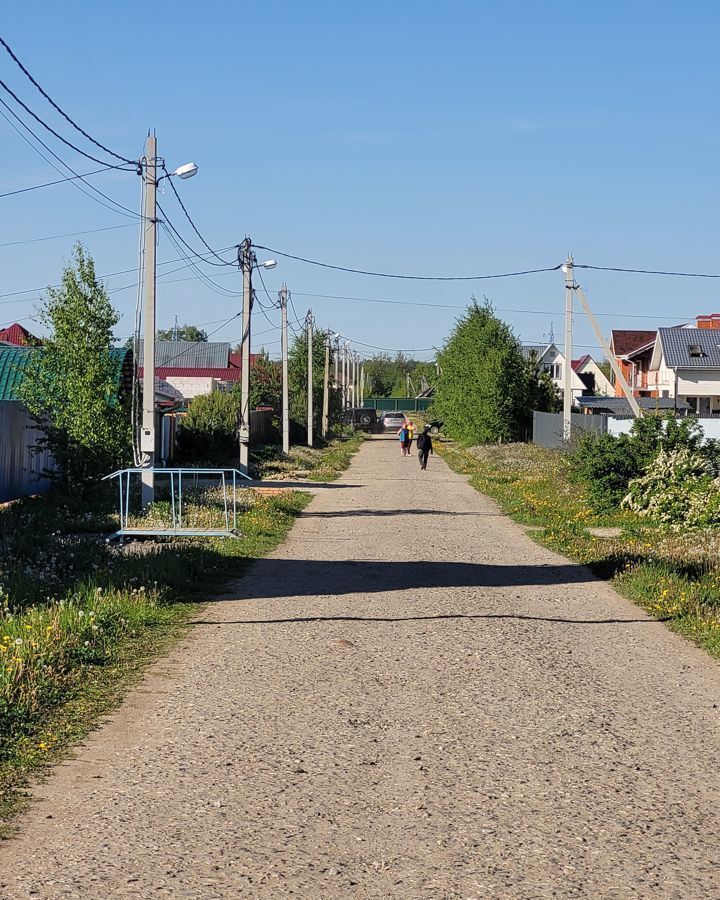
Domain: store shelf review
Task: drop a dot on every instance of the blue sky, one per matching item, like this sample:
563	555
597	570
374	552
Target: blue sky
407	137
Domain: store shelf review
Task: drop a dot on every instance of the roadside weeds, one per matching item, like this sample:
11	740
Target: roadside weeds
674	577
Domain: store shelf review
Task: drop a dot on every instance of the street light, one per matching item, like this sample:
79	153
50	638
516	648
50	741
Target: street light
186	171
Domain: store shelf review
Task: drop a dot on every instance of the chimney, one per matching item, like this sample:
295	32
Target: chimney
711	321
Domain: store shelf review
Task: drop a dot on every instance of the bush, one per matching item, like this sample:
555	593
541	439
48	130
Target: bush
677	489
209	431
607	464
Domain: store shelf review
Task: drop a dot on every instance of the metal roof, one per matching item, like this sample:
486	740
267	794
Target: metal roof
539	350
13	361
190	354
677	343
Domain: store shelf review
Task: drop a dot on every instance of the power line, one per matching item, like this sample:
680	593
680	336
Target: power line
189	218
36	187
182	352
121	210
206	280
53	237
314	262
57	134
647	271
61	111
169	224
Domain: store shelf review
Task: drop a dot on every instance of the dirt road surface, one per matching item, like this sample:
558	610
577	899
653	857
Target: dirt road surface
409	699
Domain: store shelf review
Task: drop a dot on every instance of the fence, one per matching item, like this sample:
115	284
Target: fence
21	470
262	430
397	404
548	427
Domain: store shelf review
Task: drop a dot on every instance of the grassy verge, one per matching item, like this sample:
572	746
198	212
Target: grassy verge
313	463
80	619
675	577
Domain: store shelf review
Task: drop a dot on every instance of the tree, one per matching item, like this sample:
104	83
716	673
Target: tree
72	385
184	333
265	382
209	431
543	394
483	393
297	380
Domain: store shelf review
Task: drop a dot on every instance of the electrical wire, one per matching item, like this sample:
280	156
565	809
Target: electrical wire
189	218
53	237
121	210
206	280
62	112
36	187
646	271
183	351
314	262
168	222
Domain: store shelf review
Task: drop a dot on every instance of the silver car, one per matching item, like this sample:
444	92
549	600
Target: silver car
392	421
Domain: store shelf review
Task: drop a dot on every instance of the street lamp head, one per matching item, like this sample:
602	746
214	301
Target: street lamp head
269	264
186	171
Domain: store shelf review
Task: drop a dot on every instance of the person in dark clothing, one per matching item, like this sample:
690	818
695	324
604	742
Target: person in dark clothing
424	445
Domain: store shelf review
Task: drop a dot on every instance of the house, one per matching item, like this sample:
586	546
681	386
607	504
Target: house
592	376
686	366
196	367
18	336
632	349
619	407
587	377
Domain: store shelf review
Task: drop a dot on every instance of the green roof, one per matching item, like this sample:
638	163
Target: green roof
13	361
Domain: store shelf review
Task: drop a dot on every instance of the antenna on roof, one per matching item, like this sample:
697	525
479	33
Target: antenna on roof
550	336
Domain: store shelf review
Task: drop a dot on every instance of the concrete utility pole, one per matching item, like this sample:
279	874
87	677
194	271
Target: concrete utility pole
567	392
149	225
326	390
337	360
309	322
246	258
283	295
362	383
345	375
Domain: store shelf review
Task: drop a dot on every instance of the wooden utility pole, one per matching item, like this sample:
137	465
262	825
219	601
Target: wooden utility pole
283	295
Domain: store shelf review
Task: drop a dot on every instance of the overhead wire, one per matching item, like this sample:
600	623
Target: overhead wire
53	237
61	111
190	220
314	262
36	187
116	207
168	222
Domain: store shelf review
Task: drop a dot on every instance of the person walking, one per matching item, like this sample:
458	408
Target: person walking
402	437
410	435
425	447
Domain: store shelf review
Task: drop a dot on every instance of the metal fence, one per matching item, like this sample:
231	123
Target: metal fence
21	469
548	427
397	404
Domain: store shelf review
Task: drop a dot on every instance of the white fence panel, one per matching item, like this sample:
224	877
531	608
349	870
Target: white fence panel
21	470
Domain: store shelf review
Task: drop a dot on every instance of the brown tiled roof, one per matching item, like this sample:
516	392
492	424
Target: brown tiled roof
625	341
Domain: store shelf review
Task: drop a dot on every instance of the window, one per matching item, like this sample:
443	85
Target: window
554	370
695	351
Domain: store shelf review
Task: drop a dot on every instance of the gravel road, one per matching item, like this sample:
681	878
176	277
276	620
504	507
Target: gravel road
408	699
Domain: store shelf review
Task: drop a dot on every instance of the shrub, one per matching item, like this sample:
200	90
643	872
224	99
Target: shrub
606	464
678	488
210	429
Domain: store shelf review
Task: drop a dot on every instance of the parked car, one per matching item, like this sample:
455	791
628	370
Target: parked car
391	421
435	426
361	418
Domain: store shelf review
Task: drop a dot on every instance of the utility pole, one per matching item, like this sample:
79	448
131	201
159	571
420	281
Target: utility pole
283	295
246	258
362	384
175	329
326	390
309	322
149	225
345	375
567	392
337	360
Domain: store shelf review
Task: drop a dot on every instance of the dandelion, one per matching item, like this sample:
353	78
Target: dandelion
18	641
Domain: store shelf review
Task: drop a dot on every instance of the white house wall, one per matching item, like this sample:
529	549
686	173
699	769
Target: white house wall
700	383
192	386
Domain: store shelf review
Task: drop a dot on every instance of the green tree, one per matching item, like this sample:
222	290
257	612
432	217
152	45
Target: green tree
297	381
483	392
265	382
543	394
72	385
209	431
184	333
